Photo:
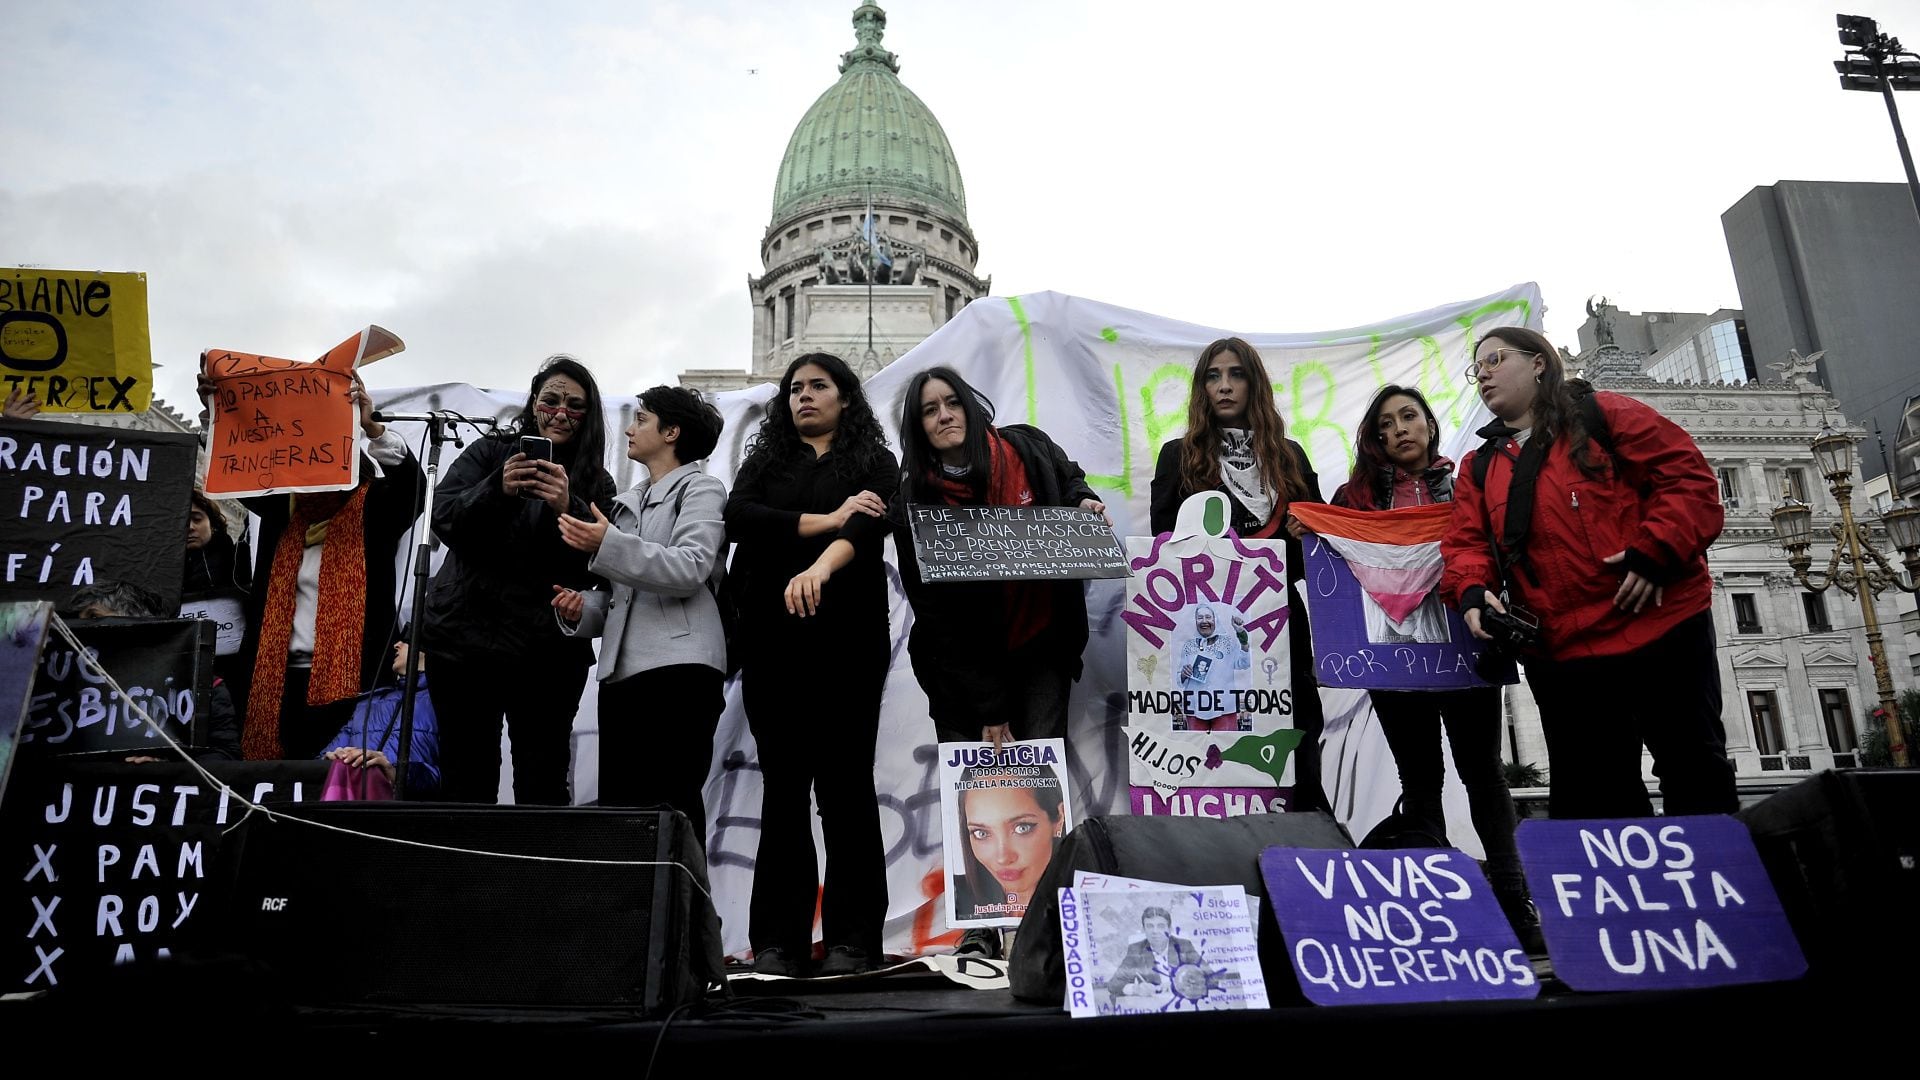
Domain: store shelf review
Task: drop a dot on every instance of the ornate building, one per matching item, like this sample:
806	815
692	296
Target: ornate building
1795	674
868	250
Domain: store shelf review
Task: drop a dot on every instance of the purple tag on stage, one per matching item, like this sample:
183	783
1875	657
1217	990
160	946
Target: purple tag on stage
1656	903
1388	927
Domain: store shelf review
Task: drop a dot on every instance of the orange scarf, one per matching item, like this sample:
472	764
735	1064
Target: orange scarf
340	624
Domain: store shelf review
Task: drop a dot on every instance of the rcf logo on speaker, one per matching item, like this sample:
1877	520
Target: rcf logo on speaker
273	903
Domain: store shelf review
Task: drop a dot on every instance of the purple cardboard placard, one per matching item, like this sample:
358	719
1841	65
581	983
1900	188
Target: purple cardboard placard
1209	802
1656	903
1346	654
1391	927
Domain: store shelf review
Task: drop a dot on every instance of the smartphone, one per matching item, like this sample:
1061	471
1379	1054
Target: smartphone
537	448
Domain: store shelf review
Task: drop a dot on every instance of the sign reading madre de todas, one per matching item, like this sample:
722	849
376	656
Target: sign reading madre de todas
80	504
76	340
1013	543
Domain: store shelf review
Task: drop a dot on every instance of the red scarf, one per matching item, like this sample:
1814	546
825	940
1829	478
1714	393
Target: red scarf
1029	604
339	626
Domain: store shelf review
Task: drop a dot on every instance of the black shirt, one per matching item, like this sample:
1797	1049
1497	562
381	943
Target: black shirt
763	518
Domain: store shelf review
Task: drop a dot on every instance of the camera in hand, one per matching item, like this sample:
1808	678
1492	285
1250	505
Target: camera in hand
536	448
1513	630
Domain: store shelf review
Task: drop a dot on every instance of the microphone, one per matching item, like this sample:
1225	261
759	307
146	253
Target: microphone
438	416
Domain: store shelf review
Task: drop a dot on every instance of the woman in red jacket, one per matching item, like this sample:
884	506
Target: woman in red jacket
1594	517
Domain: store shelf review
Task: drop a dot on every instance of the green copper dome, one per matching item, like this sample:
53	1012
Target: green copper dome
868	131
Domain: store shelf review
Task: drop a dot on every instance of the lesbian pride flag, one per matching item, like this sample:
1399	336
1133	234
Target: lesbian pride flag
1394	554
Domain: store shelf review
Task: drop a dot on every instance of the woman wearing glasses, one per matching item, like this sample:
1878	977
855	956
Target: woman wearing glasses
498	655
1592	513
1236	443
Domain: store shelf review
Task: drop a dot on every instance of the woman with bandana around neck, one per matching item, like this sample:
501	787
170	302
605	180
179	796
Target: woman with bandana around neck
1236	443
498	655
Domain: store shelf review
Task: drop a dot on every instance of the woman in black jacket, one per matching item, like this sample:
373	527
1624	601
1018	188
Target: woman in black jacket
497	652
1236	443
805	513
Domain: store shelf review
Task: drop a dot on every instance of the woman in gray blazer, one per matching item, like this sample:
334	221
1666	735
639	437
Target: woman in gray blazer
663	653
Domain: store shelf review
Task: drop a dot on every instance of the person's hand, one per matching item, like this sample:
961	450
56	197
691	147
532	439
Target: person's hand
803	592
1098	507
363	403
550	485
1472	617
583	535
21	405
997	734
361	758
1295	527
1240	628
1634	591
861	502
517	474
570	604
143	759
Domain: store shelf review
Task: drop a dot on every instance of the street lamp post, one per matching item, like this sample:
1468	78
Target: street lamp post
1793	524
1874	65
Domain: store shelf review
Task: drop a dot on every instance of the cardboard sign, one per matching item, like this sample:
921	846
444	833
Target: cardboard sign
106	863
285	426
76	340
23	632
1378	623
1656	903
165	665
1005	814
1209	687
82	504
1391	927
1013	543
227	613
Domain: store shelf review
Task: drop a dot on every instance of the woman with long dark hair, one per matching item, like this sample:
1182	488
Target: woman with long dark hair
1398	465
498	654
1590	514
1008	835
1236	443
805	513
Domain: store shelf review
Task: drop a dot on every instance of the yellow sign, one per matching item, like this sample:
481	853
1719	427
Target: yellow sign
76	340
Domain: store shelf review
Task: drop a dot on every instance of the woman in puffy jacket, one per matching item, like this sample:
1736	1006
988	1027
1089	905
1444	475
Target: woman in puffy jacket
1592	514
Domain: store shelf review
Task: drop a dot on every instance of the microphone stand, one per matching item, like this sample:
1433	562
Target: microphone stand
442	425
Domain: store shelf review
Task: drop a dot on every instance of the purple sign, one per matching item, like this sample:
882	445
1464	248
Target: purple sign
1209	802
1390	927
1637	904
1357	645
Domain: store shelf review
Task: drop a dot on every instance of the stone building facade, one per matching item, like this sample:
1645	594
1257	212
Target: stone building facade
868	249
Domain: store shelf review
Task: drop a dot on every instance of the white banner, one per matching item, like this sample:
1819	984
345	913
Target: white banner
1110	385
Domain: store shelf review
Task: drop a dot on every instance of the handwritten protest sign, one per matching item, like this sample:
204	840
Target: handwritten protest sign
1391	927
1014	543
286	426
1209	687
1657	903
107	863
1378	623
76	340
83	504
164	665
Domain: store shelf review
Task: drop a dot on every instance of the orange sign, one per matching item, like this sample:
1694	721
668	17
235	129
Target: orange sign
286	426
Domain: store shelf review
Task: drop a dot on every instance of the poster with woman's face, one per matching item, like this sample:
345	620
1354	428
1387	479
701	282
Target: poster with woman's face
1004	816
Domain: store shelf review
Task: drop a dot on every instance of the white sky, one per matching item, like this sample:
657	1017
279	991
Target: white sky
496	181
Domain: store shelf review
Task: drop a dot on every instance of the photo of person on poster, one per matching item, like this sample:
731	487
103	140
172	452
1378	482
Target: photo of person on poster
1009	827
1214	663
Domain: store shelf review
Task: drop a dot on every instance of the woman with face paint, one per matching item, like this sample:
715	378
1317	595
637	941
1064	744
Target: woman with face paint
498	655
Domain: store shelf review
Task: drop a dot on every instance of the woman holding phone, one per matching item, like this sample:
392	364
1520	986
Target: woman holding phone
498	655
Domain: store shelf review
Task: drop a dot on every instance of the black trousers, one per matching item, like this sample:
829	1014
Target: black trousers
1597	712
1029	694
1412	722
656	739
816	719
305	729
470	701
